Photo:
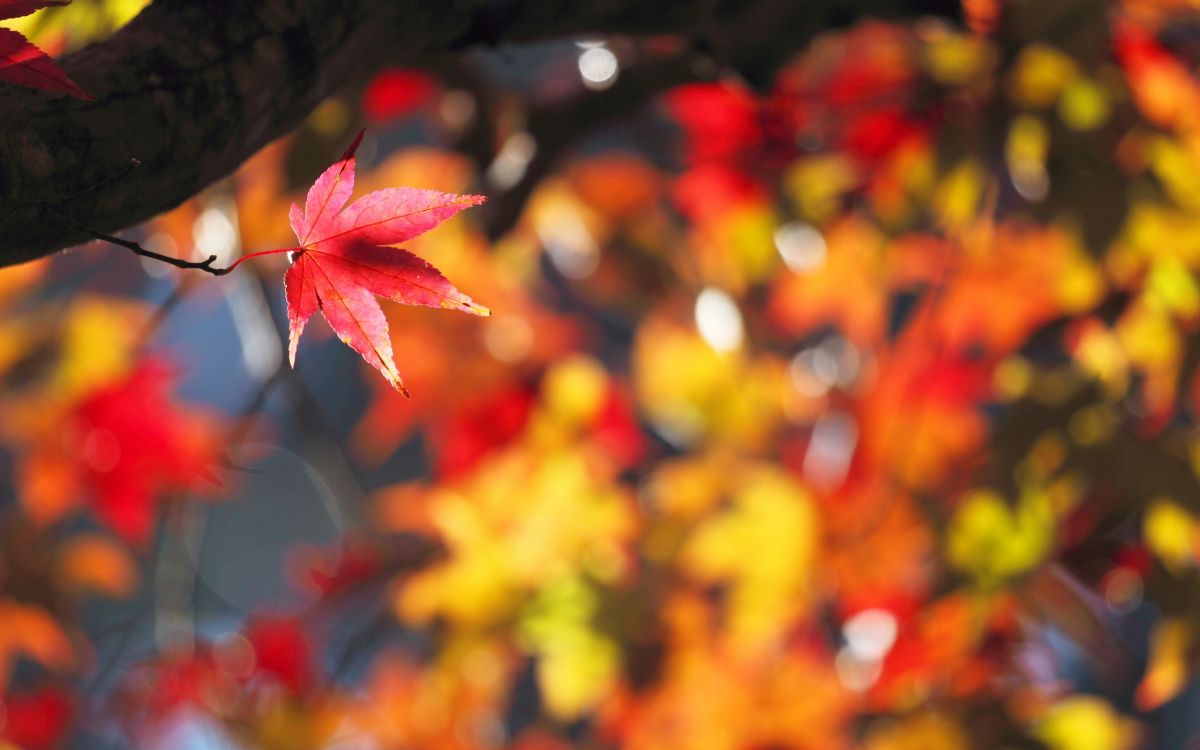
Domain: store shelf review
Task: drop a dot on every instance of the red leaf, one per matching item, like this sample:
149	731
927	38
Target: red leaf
328	194
720	120
351	310
395	93
330	571
132	443
481	427
343	261
26	65
35	720
393	215
282	652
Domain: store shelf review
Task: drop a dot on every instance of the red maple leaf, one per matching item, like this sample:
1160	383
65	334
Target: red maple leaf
35	720
23	63
396	92
344	260
130	444
282	653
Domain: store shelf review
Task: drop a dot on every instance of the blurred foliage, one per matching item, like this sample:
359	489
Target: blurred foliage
857	411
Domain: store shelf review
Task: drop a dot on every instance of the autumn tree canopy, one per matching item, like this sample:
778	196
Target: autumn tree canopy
829	377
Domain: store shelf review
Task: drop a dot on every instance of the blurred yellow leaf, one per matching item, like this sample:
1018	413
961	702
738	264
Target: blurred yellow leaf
1178	167
926	730
1171	533
955	59
99	338
520	522
1173	287
817	185
957	198
691	393
762	547
574	389
1040	74
1099	352
1085	105
687	488
576	665
993	542
1149	337
1084	722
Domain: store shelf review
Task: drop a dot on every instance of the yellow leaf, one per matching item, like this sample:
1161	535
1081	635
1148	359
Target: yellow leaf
526	519
98	340
993	542
576	666
1085	105
574	389
956	59
1170	531
1149	337
1099	352
926	730
762	547
1040	74
957	197
1084	722
1171	285
818	184
1179	170
690	392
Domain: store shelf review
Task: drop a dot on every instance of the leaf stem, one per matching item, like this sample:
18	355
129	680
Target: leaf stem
257	253
205	265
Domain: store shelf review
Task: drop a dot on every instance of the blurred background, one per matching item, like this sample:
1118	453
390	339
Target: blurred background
845	402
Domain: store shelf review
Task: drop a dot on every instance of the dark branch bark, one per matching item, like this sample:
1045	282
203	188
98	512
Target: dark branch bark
190	89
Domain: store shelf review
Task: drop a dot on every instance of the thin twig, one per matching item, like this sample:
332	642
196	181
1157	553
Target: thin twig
205	265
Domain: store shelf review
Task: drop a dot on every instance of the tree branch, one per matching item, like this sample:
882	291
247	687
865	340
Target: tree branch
191	89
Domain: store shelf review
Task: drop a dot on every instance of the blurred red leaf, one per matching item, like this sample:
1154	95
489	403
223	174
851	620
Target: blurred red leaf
156	690
282	652
479	428
396	92
721	120
128	443
1163	88
35	720
709	191
616	430
330	571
